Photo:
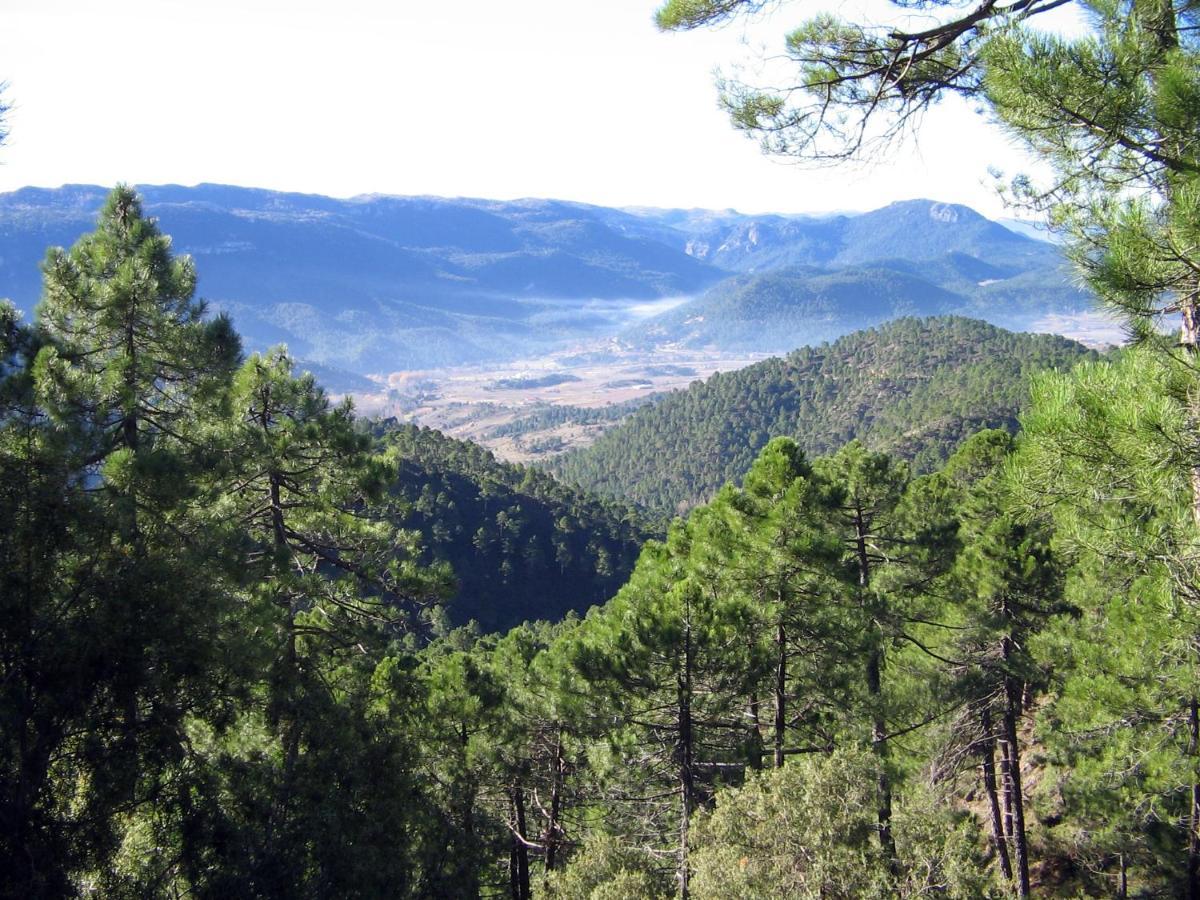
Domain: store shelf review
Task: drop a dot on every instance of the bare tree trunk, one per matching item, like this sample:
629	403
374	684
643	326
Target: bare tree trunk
1006	786
289	720
875	690
879	738
1189	338
553	827
988	767
755	742
1013	689
1020	845
1193	853
290	724
520	852
780	693
685	754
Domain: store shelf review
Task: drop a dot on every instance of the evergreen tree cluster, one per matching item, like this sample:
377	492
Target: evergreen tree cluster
553	415
208	613
841	679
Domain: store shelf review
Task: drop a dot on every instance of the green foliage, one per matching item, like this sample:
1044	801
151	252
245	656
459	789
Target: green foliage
114	634
1106	453
807	830
223	670
913	387
605	869
1112	107
202	604
550	416
522	545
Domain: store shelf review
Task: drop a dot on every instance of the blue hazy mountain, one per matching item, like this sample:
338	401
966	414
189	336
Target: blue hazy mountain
909	230
807	280
380	283
377	283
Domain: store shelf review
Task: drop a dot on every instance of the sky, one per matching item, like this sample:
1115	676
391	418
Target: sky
571	99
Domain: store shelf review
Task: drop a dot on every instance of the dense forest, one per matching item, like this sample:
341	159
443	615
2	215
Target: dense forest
914	387
520	544
227	667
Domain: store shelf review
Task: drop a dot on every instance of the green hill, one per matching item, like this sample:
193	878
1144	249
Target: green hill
521	544
914	386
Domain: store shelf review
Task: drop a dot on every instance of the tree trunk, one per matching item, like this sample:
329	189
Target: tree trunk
988	767
1189	338
780	692
879	741
290	725
685	750
1013	689
1020	846
1193	852
553	827
754	750
1006	786
875	691
520	852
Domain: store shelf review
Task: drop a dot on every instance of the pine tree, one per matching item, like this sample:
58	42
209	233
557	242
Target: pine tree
120	612
771	548
1009	582
323	561
1106	453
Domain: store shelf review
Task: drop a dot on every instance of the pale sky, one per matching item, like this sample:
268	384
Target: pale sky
572	99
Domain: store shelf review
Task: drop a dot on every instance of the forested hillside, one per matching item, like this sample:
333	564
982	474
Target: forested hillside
810	280
521	545
913	387
927	626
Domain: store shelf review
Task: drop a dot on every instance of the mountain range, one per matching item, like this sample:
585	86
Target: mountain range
380	283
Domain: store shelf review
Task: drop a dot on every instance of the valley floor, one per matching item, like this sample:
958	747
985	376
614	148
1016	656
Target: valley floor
504	406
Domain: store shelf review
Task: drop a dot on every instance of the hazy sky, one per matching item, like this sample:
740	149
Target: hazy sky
573	99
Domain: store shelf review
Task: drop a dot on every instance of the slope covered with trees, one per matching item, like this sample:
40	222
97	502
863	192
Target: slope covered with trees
522	545
914	387
843	680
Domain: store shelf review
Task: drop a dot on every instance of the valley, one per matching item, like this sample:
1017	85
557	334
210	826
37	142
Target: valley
532	409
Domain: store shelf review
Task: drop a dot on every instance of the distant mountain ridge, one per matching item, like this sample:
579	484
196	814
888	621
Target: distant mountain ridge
376	283
807	280
908	229
380	283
